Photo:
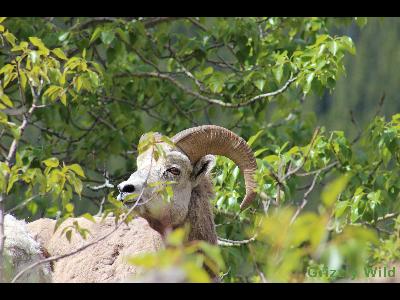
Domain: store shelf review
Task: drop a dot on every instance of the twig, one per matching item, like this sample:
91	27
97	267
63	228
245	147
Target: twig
385	217
105	185
230	243
155	21
14	111
293	171
377	112
375	169
183	113
186	71
144	59
21	204
223	275
98	20
92	21
103	200
262	276
304	202
198	24
330	166
112	127
207	99
380	104
359	131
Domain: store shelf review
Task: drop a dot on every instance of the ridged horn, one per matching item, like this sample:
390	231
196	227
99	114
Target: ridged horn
199	141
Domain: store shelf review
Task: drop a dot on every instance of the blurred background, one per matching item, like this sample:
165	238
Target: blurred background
370	74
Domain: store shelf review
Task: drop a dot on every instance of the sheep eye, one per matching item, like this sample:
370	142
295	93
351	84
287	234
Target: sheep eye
174	171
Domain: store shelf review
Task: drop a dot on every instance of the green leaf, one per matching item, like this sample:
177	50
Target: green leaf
51	162
59	53
333	47
260	151
34	56
213	252
348	44
169	192
331	191
216	82
321	38
32	207
53	92
293	150
260	84
309	79
76	182
37	42
68	235
63	37
253	138
77	169
63	98
78	83
69	207
88	217
6	100
278	72
131	198
340	208
23	80
10	38
7	69
176	237
146	260
195	273
208	71
361	21
13	178
123	35
107	37
95	35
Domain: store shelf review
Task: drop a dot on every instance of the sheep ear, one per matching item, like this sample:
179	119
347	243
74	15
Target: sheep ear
202	168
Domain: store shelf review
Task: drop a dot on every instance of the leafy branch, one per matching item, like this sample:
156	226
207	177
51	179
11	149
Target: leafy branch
219	102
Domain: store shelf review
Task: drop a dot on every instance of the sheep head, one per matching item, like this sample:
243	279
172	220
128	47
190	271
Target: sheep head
185	164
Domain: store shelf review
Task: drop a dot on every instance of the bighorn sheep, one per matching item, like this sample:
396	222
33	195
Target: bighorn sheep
187	163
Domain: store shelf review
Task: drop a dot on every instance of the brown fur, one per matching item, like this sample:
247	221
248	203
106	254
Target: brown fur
200	216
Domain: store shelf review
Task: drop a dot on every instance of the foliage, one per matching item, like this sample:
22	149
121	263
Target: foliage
370	80
191	257
76	94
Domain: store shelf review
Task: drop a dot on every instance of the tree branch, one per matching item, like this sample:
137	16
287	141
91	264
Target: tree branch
208	99
304	202
330	166
157	20
105	185
230	243
293	171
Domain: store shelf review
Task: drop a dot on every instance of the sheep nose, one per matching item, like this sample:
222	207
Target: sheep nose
129	188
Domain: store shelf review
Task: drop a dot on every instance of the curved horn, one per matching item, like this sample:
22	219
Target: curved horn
199	141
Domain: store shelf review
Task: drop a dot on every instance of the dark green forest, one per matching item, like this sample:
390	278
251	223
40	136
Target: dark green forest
315	98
